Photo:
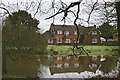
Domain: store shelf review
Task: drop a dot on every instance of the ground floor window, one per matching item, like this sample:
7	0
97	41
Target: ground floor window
67	40
59	41
59	58
75	41
50	40
59	65
94	40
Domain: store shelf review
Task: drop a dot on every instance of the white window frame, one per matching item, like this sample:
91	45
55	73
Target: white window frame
76	65
50	40
75	32
59	58
59	65
67	40
94	65
66	65
66	32
59	32
76	41
94	32
94	40
59	40
68	58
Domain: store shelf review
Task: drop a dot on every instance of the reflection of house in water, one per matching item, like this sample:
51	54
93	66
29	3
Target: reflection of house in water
66	64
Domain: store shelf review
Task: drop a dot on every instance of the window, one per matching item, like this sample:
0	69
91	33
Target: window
68	58
94	40
59	65
66	32
50	40
59	32
59	41
94	57
94	65
59	58
75	41
67	40
66	65
75	32
76	65
94	32
50	57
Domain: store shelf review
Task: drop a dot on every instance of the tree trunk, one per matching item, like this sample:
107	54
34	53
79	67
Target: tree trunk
106	43
4	67
118	22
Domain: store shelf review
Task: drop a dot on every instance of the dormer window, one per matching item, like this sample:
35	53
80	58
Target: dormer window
59	32
75	32
94	32
66	32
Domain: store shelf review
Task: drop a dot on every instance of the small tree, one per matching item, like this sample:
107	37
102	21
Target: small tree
20	37
106	32
23	18
21	34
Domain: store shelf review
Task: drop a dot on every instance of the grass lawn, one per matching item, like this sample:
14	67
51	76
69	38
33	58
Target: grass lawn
91	48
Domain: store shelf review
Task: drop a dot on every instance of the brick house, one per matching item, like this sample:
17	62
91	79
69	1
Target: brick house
67	34
65	64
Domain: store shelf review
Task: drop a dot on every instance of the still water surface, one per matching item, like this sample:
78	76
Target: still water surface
63	66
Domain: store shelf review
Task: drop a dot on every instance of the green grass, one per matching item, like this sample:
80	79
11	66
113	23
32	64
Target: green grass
91	48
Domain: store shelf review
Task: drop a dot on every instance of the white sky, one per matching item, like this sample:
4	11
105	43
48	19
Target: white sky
45	24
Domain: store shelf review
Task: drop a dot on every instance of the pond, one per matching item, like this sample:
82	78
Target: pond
62	66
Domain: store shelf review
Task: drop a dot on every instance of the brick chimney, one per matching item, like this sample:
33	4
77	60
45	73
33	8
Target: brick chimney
79	25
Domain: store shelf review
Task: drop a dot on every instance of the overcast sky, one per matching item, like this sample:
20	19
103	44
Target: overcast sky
46	4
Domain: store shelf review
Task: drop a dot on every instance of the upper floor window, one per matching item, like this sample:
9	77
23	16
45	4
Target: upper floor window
66	32
94	40
94	65
59	41
94	32
59	32
50	40
75	32
67	40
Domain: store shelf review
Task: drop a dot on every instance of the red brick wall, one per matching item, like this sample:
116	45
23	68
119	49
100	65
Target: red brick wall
96	37
87	39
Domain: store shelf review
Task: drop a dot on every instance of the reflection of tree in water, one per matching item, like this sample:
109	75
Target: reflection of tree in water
24	65
108	65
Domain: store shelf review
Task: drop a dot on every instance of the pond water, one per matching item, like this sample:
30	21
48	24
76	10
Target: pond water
63	66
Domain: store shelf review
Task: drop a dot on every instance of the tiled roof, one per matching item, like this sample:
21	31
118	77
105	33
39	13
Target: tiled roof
49	35
72	28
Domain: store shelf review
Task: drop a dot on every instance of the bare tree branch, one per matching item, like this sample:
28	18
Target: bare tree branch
64	10
5	10
38	7
93	7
